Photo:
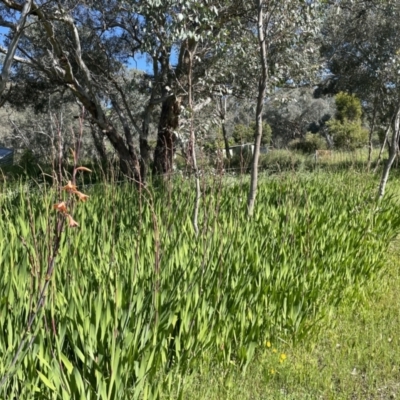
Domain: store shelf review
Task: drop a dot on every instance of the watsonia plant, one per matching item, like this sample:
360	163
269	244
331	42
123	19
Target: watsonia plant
42	258
137	298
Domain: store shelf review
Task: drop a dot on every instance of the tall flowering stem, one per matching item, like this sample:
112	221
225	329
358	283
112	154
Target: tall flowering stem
63	216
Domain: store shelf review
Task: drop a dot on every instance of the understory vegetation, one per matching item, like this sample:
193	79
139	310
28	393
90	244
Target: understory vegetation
140	307
189	199
356	356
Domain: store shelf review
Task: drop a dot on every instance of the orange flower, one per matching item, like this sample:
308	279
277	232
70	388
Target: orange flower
72	223
83	169
83	197
61	207
69	187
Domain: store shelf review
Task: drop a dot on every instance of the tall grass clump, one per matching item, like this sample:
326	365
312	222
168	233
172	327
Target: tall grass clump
136	298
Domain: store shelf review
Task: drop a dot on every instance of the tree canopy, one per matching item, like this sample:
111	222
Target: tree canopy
84	51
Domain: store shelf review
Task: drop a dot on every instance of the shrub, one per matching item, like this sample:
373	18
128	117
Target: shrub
380	133
213	145
309	144
348	135
281	160
346	128
239	162
348	107
245	134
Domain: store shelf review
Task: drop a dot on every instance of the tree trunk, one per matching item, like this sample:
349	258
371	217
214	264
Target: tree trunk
12	47
262	88
144	142
226	142
99	143
383	145
129	162
169	122
171	107
192	142
222	114
371	131
144	158
144	147
392	155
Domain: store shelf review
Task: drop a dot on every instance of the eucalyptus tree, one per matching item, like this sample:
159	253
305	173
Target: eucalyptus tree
16	27
286	54
184	31
63	48
292	112
83	46
167	33
362	48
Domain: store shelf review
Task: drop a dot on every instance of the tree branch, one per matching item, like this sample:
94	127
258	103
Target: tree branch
12	48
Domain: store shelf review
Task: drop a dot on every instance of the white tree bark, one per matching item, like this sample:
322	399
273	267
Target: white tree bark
193	143
392	155
262	89
12	48
389	127
222	116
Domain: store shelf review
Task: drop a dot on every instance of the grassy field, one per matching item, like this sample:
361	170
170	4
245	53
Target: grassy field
298	302
356	356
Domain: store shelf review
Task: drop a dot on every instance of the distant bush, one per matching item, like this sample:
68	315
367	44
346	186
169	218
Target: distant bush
245	134
213	145
281	160
26	165
346	128
27	159
239	162
152	143
348	107
380	133
309	144
348	135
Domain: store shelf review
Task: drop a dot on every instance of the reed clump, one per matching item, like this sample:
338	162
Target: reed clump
136	298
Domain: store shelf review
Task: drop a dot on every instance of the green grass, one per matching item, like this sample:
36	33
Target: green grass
357	356
137	301
280	160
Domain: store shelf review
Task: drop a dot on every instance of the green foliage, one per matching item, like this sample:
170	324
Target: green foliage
239	163
26	166
137	299
348	107
28	160
245	134
346	128
309	144
380	133
212	145
348	135
359	348
282	160
372	74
